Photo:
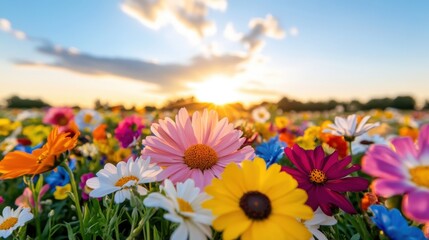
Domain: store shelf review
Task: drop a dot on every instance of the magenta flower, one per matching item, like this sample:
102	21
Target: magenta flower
402	169
26	200
324	178
129	130
197	147
1	200
82	185
60	116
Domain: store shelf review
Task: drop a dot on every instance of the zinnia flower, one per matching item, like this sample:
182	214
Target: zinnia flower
123	178
199	147
88	119
349	127
16	164
129	130
324	178
394	225
60	116
254	202
184	207
402	170
319	219
13	219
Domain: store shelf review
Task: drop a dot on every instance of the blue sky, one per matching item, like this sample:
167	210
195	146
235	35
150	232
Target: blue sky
341	49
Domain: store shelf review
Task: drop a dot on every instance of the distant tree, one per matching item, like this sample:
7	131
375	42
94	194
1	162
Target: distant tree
404	103
17	102
378	103
426	106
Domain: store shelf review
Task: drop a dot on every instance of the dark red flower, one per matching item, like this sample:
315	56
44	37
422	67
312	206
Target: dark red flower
324	178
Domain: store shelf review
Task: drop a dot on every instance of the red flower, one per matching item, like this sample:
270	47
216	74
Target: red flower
324	178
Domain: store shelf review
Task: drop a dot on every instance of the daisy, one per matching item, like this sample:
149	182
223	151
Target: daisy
123	178
254	202
402	169
260	114
184	207
319	219
324	178
88	119
363	142
13	219
349	127
199	147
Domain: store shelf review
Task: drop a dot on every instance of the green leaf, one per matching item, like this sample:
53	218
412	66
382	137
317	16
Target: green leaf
355	237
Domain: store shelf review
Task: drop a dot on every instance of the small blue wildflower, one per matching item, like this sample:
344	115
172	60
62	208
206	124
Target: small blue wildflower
271	151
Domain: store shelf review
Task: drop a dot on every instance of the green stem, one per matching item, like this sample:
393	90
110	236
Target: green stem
76	198
36	207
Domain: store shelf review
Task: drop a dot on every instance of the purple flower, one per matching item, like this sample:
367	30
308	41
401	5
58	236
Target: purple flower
129	130
324	178
402	169
83	187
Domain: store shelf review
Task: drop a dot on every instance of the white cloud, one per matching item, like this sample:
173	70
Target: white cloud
294	31
231	34
19	34
260	27
188	17
5	25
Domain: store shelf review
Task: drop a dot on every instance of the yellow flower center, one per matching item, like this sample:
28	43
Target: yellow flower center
8	223
184	206
261	115
318	176
122	181
200	156
420	176
87	118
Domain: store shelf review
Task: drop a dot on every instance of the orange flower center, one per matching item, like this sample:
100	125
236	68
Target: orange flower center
200	156
419	175
122	181
87	118
8	223
318	176
184	206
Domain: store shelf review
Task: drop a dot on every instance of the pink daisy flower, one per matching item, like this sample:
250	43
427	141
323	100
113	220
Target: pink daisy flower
199	147
60	116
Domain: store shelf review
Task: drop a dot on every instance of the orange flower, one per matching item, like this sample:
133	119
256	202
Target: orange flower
16	164
99	133
368	200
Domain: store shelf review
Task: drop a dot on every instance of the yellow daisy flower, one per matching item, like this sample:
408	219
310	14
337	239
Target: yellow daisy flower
258	203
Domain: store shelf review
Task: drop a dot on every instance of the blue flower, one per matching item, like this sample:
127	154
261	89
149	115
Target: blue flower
60	177
28	149
271	151
394	225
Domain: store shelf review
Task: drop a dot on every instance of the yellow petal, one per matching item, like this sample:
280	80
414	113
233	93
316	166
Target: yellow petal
233	224
291	227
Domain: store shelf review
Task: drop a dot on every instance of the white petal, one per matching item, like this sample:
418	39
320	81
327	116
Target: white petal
181	233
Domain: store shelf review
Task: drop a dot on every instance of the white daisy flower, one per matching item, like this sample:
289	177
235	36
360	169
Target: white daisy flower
319	219
349	128
260	114
363	142
13	219
123	178
184	207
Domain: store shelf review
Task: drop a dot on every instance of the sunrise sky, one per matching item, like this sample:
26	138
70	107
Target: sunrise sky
139	52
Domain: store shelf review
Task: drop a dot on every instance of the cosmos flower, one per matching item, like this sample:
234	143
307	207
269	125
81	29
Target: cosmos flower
271	151
129	130
59	116
16	164
260	114
123	178
362	143
254	202
184	207
199	147
82	185
394	225
319	219
324	178
13	219
349	128
402	169
88	119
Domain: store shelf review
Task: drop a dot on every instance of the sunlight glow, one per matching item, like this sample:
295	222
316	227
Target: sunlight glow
218	90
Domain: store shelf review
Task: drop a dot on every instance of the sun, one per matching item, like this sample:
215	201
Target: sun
217	90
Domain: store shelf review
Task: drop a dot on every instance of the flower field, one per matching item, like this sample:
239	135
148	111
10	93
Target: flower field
213	174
